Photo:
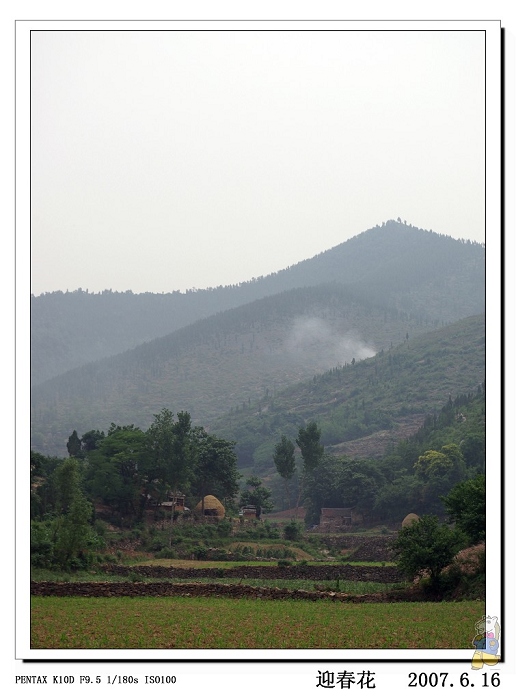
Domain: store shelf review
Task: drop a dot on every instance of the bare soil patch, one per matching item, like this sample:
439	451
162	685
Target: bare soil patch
376	444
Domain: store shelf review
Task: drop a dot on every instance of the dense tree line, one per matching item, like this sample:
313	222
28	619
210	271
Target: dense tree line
418	475
439	471
126	470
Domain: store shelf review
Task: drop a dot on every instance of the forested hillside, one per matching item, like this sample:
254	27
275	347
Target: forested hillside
366	407
225	362
427	275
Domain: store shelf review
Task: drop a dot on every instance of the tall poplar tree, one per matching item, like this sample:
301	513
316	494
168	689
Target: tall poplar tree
309	442
285	462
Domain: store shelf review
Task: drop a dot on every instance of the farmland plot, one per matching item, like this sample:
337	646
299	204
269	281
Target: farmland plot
220	623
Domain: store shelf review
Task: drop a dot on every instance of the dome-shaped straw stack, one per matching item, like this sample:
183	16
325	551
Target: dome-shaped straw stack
410	519
212	507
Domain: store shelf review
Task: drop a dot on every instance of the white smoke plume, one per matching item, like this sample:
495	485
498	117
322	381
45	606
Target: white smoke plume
327	344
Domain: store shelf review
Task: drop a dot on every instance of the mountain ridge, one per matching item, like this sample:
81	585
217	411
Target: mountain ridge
381	288
70	329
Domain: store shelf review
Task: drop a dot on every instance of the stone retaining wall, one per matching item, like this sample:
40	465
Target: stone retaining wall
344	572
125	589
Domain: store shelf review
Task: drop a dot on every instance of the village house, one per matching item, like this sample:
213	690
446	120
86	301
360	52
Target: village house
336	519
248	513
177	502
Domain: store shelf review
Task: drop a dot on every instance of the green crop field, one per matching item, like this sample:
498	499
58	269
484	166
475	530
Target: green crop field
218	623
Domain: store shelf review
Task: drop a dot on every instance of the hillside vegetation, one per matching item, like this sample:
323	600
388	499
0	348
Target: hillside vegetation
386	488
425	274
225	362
366	407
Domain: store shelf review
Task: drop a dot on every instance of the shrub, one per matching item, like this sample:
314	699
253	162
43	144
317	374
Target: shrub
466	507
100	528
293	531
155	545
135	577
41	547
284	563
108	559
219	555
200	552
224	528
426	547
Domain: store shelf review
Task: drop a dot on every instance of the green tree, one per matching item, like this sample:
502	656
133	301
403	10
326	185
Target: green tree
91	440
357	483
465	505
438	472
70	537
309	442
66	482
433	464
74	536
115	473
458	466
256	495
293	531
397	498
170	453
448	463
318	486
42	492
426	546
74	445
214	468
285	462
473	447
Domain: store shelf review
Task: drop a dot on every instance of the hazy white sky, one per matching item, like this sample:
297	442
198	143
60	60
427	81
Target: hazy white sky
178	159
